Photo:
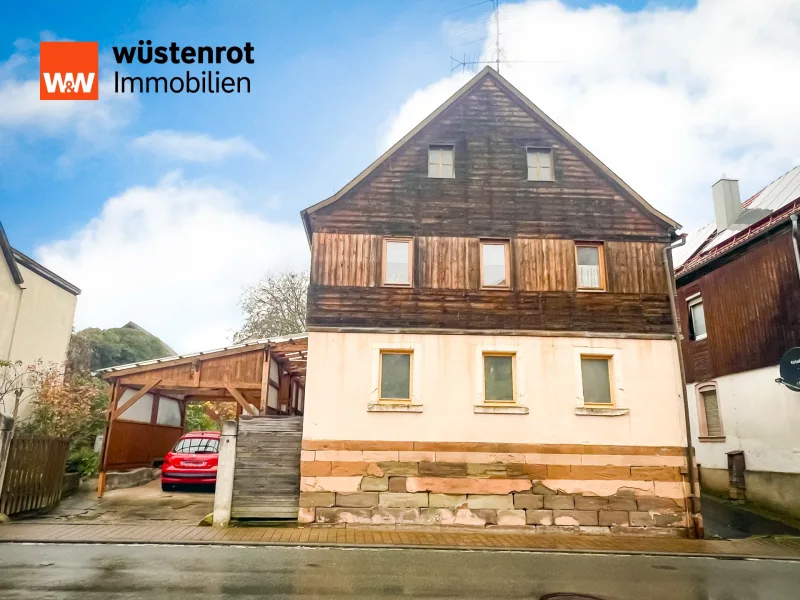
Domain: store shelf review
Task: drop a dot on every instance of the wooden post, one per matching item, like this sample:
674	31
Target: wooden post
112	405
265	381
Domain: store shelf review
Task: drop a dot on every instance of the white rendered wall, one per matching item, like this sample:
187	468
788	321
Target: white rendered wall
342	380
758	416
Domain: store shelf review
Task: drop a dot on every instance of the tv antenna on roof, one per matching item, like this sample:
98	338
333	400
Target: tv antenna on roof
456	63
473	60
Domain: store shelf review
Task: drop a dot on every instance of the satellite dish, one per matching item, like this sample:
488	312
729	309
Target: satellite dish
790	369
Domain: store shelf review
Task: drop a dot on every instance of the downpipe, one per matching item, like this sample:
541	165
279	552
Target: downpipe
694	487
795	243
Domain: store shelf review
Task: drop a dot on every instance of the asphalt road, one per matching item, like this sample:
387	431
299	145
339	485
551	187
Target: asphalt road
109	572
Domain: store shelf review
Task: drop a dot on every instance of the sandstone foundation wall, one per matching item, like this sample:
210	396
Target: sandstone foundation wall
547	488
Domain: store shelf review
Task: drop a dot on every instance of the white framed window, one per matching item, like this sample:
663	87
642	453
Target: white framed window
397	261
591	266
441	164
709	413
540	164
596	380
495	264
697	318
395	376
499	377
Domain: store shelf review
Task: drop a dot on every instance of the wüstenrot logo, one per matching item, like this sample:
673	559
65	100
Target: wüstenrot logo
68	71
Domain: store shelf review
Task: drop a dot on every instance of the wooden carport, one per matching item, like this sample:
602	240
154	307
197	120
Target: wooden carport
148	399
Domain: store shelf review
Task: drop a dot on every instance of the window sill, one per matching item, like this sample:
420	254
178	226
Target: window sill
500	409
402	408
592	290
587	411
711	438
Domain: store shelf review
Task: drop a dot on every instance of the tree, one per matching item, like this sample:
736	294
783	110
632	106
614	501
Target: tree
275	305
92	348
69	406
17	384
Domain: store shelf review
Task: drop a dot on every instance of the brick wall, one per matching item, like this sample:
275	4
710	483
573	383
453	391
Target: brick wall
549	488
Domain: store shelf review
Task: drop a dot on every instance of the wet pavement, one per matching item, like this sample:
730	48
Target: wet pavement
724	519
143	504
110	572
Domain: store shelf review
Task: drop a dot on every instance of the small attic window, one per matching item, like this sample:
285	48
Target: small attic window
540	164
440	161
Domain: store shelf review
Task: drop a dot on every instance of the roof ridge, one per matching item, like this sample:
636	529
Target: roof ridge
488	71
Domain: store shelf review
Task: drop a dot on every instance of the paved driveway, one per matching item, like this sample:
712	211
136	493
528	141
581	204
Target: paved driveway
131	506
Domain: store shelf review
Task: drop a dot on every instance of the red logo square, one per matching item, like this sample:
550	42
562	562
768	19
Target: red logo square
68	71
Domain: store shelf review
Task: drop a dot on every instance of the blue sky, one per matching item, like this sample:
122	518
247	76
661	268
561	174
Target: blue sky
670	95
327	76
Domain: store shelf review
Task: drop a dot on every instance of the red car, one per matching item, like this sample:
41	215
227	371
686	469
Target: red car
193	460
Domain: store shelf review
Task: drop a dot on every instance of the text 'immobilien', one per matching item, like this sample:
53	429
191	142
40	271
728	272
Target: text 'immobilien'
205	82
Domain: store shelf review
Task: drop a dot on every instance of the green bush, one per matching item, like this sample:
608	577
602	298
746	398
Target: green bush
84	461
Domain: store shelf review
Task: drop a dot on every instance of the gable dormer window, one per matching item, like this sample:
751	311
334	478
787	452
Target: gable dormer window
440	161
540	164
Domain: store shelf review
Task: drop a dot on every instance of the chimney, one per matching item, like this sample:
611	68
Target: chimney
727	205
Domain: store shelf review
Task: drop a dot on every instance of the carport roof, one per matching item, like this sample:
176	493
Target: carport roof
254	344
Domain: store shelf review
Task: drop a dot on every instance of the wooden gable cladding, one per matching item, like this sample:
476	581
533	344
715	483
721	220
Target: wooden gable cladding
537	264
448	262
342	259
544	265
750	300
636	267
496	310
490	195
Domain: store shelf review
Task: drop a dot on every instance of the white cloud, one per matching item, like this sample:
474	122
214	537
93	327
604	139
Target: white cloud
174	258
669	99
22	111
194	147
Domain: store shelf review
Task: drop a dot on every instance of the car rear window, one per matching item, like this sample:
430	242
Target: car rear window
197	446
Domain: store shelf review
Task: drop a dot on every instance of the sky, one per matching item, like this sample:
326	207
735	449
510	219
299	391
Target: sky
161	208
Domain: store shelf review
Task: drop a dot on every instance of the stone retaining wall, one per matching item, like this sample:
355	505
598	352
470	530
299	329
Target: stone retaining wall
548	488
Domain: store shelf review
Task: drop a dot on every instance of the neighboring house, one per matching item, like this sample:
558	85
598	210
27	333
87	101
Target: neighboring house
37	308
490	335
739	305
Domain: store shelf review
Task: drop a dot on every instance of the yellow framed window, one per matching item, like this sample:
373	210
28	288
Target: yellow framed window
499	382
596	377
591	266
394	381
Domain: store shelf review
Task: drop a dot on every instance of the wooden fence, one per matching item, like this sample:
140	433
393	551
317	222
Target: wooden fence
34	474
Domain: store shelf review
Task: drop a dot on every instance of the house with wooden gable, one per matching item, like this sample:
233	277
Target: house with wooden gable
738	284
490	335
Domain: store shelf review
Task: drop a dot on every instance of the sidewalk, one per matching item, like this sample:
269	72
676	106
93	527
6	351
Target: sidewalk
787	548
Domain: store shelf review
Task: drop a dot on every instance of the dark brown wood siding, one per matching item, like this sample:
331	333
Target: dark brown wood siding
348	307
344	259
543	286
537	264
751	305
490	194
